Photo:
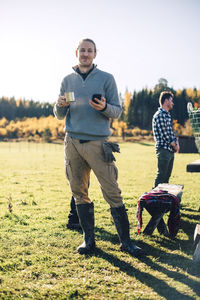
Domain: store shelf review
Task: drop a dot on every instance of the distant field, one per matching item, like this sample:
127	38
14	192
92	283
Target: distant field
38	258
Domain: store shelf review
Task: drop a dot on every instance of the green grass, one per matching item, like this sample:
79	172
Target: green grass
38	258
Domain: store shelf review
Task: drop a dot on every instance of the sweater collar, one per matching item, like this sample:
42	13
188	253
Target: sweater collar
75	68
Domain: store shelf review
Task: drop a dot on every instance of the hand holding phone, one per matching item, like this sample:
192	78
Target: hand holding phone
98	96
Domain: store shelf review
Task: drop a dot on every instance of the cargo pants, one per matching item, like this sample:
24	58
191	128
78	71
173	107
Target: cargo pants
80	159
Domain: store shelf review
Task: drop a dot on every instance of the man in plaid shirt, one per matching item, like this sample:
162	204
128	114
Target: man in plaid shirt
166	141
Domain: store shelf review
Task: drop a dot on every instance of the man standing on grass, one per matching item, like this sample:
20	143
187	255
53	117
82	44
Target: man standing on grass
86	147
166	141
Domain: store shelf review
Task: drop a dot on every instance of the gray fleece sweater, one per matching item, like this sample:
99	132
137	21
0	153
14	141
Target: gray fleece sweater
83	121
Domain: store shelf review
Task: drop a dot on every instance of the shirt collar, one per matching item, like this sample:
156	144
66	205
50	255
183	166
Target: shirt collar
163	110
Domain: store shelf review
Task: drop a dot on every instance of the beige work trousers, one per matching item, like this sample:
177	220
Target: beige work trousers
80	159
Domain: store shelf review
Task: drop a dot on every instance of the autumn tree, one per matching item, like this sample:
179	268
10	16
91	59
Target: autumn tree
127	101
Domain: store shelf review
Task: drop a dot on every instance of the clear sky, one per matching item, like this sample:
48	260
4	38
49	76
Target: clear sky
138	41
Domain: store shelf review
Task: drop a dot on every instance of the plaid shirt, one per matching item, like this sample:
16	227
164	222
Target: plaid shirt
162	129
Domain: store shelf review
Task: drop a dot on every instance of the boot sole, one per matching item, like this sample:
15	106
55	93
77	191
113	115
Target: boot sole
86	250
74	227
136	253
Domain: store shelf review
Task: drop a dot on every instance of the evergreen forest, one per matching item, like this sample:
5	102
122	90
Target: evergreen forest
28	119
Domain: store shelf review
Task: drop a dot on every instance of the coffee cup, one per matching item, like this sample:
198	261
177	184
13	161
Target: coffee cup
69	96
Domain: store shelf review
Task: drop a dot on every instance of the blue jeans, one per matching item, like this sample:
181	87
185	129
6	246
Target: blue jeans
164	166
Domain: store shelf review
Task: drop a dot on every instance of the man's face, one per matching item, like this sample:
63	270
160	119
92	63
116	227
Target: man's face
170	103
85	54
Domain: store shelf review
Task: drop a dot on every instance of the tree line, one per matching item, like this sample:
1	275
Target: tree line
26	118
12	109
139	107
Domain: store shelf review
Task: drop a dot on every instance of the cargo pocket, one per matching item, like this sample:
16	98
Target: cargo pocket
68	170
113	172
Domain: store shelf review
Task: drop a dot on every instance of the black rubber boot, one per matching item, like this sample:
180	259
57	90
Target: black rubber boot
86	219
73	220
122	225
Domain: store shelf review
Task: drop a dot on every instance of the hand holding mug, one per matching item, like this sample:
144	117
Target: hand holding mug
61	102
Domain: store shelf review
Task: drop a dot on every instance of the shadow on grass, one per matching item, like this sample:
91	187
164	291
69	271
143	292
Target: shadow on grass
195	217
187	224
188	229
173	260
162	257
104	235
145	144
184	208
158	285
177	262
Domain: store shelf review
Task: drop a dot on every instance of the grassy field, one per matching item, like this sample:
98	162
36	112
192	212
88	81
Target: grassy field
38	258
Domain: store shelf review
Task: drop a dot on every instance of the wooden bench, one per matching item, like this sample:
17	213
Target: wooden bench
194	166
175	189
156	220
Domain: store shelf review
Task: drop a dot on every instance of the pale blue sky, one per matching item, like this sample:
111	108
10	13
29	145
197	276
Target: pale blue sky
138	41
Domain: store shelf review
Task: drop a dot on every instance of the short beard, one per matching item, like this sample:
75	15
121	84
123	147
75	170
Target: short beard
85	65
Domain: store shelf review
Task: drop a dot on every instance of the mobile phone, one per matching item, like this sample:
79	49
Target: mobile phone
98	96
